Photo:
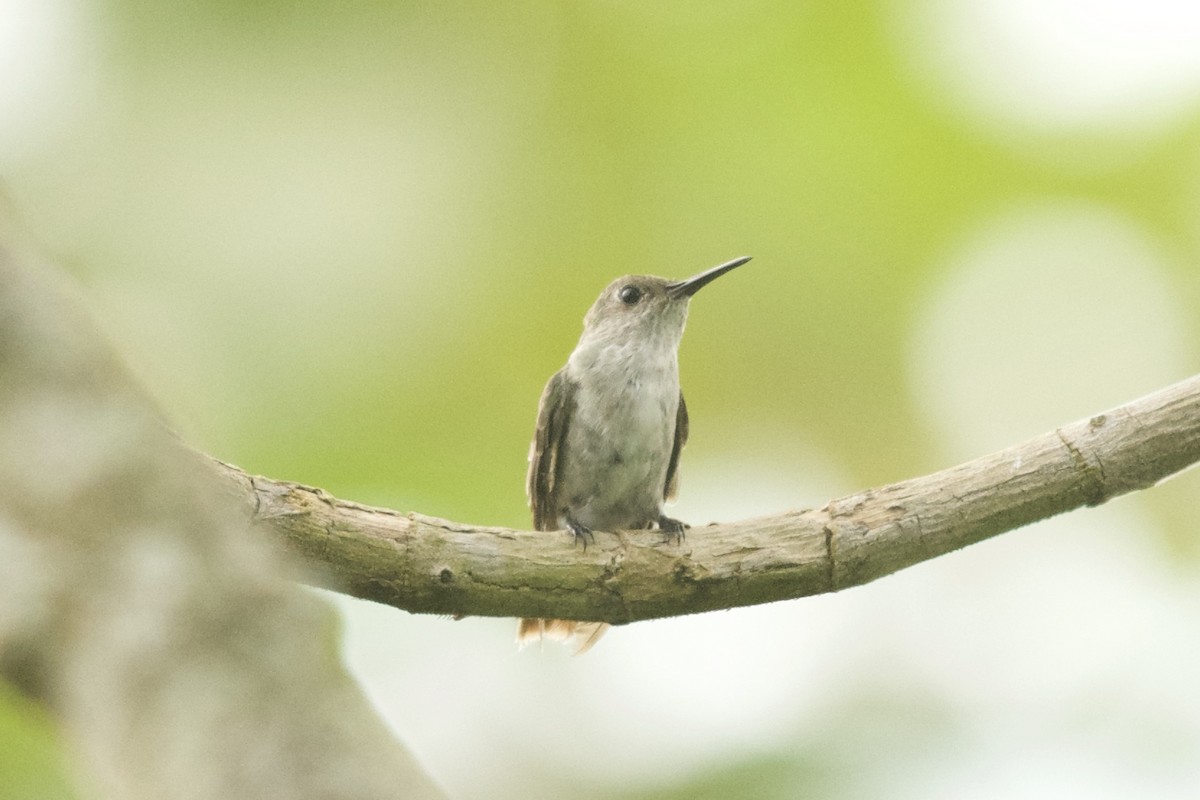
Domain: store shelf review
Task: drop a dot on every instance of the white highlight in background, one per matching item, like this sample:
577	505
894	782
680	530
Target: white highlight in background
1059	66
1045	315
44	49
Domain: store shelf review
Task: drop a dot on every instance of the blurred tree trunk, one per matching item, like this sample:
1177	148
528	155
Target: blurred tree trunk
167	644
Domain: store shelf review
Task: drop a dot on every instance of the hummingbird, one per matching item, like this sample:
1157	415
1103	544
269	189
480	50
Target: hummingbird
611	425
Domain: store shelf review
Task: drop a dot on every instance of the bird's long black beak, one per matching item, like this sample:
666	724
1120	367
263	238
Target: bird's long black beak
689	286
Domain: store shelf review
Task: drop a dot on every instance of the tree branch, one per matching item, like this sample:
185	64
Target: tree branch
428	565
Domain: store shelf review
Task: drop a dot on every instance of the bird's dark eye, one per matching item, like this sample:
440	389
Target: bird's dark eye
630	295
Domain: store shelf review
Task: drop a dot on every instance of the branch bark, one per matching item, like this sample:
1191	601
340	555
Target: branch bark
428	565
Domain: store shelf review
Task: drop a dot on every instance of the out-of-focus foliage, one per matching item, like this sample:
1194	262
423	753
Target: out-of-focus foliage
347	243
30	762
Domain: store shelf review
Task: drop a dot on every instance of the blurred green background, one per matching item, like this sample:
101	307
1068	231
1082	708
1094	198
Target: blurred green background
346	244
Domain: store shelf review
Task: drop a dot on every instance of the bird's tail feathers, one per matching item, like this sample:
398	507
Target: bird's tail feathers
568	631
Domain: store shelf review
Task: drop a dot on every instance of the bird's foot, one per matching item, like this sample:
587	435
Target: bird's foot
673	528
582	533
